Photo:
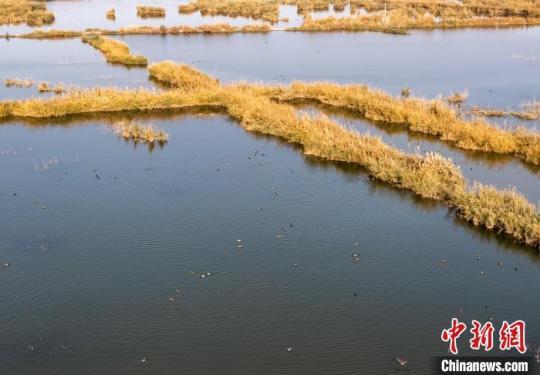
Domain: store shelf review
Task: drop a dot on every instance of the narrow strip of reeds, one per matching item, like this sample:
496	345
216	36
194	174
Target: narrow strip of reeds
17	82
51	34
115	52
431	117
181	76
150	12
221	28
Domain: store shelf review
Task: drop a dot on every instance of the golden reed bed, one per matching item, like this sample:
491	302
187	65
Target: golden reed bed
260	109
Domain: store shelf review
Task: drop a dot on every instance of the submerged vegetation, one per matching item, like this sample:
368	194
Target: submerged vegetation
32	13
256	109
150	12
140	133
115	52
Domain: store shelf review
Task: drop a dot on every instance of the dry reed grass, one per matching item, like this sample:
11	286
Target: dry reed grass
32	13
111	14
458	97
140	133
150	12
17	82
51	34
43	87
257	9
431	117
181	76
115	52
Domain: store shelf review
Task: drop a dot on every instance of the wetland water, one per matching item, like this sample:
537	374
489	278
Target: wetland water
100	238
94	261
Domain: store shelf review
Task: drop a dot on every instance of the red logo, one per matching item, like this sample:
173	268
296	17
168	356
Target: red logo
452	334
482	336
511	335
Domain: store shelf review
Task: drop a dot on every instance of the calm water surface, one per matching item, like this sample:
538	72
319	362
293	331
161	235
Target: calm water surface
93	260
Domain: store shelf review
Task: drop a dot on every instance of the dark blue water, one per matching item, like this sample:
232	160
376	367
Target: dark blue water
93	261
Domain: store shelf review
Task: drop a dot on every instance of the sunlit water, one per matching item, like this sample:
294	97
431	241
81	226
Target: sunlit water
99	233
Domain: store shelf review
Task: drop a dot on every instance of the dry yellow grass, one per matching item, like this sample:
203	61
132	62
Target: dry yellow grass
115	52
220	28
51	34
181	76
111	14
400	15
501	211
458	97
488	112
428	176
140	133
17	82
44	87
150	12
431	117
392	16
257	9
33	13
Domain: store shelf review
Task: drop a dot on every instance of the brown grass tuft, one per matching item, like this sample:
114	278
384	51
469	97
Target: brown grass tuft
111	14
44	87
458	97
150	12
140	133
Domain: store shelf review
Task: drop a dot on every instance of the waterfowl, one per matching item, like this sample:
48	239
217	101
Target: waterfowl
401	361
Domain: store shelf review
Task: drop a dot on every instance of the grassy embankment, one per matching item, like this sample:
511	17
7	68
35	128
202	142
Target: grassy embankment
115	52
428	176
150	12
32	13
